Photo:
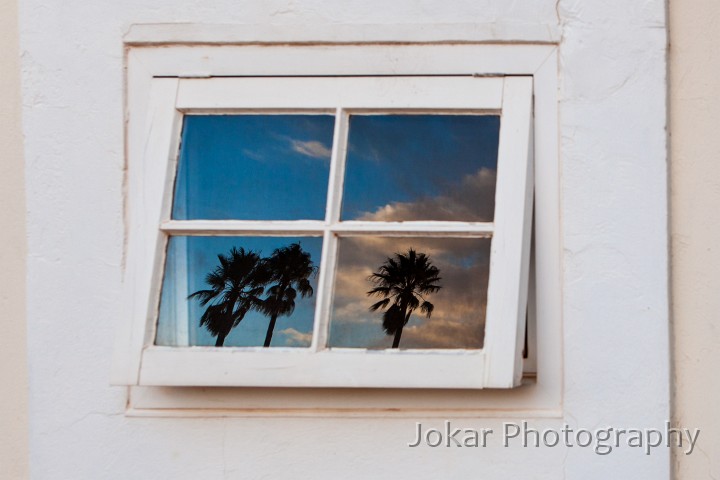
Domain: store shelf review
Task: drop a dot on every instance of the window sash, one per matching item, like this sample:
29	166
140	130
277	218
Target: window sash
315	367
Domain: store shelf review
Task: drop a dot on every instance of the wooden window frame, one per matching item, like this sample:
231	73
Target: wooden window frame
138	362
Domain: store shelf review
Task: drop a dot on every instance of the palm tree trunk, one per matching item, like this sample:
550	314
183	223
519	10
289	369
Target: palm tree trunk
398	333
271	327
228	322
278	297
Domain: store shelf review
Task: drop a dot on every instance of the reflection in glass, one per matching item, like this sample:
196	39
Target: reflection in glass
239	291
421	167
403	282
457	311
253	167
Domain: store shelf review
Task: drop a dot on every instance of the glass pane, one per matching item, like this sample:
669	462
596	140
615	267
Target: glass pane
421	167
253	167
227	290
383	282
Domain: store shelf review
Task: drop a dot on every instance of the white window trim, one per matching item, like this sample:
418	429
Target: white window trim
498	364
536	60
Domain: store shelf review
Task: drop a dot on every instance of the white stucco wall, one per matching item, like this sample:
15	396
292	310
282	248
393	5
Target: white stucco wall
695	114
614	241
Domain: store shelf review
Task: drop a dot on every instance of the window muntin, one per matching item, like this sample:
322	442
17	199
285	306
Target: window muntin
398	167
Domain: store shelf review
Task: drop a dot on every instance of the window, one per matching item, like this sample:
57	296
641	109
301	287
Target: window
350	172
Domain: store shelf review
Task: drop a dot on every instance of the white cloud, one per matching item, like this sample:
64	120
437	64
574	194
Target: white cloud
472	200
296	338
253	155
311	148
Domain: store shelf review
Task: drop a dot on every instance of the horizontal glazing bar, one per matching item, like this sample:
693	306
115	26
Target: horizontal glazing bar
316	228
242	227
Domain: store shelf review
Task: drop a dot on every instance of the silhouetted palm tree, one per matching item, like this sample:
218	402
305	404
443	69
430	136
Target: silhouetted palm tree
235	286
402	281
290	269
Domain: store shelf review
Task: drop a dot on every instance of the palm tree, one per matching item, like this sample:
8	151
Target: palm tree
290	269
402	281
235	287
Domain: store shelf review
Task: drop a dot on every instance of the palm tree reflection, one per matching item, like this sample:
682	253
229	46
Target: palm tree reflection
237	284
403	281
290	269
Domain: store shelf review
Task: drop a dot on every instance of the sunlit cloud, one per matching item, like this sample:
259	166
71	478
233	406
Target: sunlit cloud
295	338
311	148
442	333
472	200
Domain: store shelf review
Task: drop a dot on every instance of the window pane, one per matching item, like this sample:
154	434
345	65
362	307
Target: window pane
421	167
458	266
253	167
256	279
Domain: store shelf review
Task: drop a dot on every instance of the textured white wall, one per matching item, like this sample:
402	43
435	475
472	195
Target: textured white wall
614	227
612	71
695	114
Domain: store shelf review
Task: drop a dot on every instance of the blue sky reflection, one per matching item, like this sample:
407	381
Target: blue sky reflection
253	167
421	167
190	259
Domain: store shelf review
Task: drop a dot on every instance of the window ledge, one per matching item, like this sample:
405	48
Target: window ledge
223	34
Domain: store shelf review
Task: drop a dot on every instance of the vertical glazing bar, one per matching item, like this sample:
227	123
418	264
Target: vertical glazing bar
332	216
337	167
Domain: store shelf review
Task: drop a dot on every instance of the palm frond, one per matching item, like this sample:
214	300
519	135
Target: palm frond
427	308
204	296
235	286
393	319
401	281
215	319
381	304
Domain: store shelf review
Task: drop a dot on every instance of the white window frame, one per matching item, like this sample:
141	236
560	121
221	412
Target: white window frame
479	60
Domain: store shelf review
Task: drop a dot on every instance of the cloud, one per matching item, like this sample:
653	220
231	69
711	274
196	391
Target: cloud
253	155
296	338
311	148
443	333
471	200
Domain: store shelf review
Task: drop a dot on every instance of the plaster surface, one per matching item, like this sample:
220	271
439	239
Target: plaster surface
13	358
695	173
614	241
